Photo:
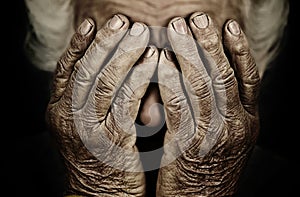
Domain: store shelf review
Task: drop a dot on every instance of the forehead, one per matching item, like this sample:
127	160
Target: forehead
156	12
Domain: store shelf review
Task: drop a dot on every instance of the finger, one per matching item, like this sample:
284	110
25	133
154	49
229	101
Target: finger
110	78
126	104
216	62
79	43
244	65
195	77
88	67
178	114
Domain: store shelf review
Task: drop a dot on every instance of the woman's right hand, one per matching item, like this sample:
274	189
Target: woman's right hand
97	88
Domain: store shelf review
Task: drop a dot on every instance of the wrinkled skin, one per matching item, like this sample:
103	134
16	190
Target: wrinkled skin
156	14
79	113
211	108
219	127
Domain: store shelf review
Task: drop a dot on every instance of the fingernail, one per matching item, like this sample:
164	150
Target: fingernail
137	29
168	54
234	28
150	51
116	22
180	26
85	27
201	21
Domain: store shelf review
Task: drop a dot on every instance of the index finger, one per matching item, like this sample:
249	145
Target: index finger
89	66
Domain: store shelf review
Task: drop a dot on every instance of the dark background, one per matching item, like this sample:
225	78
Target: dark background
30	165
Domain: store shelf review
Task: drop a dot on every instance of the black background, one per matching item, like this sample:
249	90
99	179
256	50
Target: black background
30	165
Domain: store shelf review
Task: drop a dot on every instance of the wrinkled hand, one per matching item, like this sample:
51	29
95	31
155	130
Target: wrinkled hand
211	109
97	88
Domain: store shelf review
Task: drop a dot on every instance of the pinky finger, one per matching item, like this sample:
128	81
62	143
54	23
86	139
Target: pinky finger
244	65
78	45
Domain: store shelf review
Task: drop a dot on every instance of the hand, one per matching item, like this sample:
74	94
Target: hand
212	117
97	88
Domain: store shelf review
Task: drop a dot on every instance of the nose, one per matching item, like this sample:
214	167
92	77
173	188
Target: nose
158	37
151	113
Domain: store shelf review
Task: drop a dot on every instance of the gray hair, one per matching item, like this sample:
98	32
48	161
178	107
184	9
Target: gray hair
265	22
49	31
52	25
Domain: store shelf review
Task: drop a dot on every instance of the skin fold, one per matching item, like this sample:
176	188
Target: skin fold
155	14
208	83
220	126
79	113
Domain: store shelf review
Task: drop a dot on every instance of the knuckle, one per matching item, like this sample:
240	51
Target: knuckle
200	85
247	68
76	39
176	101
63	67
99	35
252	78
72	54
69	58
60	68
225	77
104	37
106	82
212	43
100	43
241	47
